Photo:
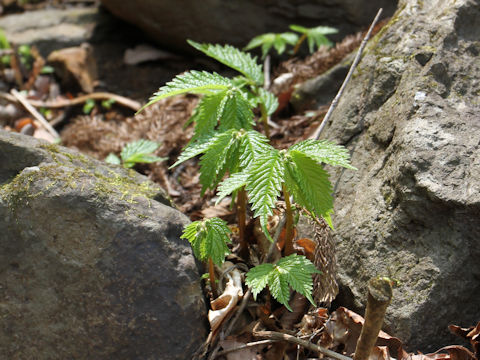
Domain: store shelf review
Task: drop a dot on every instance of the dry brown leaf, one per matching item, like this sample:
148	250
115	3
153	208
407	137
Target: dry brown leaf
224	305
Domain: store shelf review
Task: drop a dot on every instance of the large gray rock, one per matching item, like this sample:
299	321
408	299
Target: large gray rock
91	261
411	117
170	23
51	29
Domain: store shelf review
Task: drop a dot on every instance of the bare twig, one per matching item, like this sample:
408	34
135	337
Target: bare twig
121	100
246	346
274	335
355	62
22	100
379	296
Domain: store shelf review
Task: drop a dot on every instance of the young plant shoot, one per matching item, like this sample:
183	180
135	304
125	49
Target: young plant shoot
228	145
136	152
209	239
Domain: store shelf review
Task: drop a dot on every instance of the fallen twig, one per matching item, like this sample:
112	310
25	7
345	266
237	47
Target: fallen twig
274	335
355	62
121	100
22	100
246	346
379	296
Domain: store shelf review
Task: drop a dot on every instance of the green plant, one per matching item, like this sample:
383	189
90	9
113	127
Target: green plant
136	152
258	173
278	41
314	36
291	271
209	239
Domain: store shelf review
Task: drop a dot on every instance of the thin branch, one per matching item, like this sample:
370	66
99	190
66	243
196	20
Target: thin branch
22	100
355	62
121	100
274	335
246	346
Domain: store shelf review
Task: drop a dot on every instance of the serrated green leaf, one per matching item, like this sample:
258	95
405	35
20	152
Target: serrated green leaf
236	113
142	159
113	159
266	175
208	113
298	271
231	184
252	145
293	271
193	82
308	182
234	58
278	41
193	149
220	156
315	36
209	239
257	278
324	151
139	152
278	285
269	100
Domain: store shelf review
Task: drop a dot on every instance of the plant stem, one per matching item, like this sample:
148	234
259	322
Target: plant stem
299	43
211	273
264	119
242	219
289	224
379	296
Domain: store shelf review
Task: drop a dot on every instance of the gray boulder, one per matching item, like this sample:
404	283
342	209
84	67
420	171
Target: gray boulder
91	261
411	118
236	22
51	29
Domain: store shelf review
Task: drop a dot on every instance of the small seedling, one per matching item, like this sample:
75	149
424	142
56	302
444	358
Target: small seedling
136	152
209	239
314	36
278	41
224	136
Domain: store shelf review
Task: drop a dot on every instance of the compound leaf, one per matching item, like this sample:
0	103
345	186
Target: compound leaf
193	149
293	271
209	239
268	99
234	58
236	113
220	156
139	152
231	184
324	151
265	176
193	82
308	182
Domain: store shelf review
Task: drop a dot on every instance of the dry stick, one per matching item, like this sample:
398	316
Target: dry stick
21	99
355	62
379	296
274	335
121	100
246	346
266	85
